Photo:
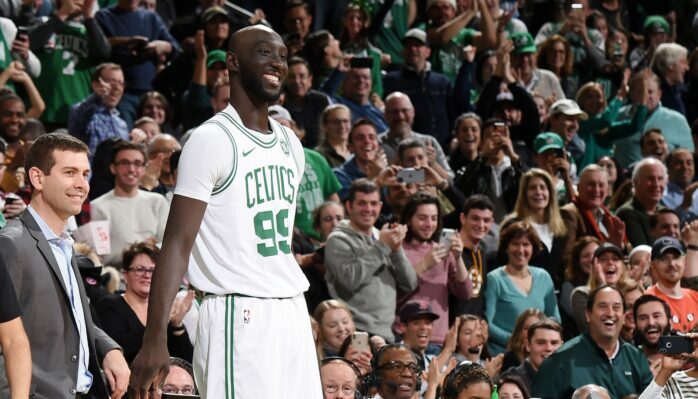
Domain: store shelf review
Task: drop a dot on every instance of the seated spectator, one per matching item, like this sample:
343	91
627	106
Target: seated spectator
159	177
467	381
133	214
356	255
144	130
440	268
155	105
516	351
124	316
471	333
396	365
399	112
543	338
140	42
586	215
416	326
466	129
95	119
429	91
666	222
302	102
577	274
597	356
670	63
298	18
517	286
681	172
649	181
653	144
71	33
334	139
537	205
673	380
340	378
180	379
668	265
497	171
368	160
356	92
555	55
631	290
336	325
535	80
652	320
511	386
607	268
616	175
672	124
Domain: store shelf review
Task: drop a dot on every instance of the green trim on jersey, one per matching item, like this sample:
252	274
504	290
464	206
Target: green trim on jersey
229	179
251	136
229	335
293	153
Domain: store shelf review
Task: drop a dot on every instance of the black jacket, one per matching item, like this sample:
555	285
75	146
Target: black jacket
477	179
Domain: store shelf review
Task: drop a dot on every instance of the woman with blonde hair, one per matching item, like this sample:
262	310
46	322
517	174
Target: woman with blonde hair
335	324
537	204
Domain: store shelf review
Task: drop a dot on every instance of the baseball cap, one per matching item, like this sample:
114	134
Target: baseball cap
450	2
213	12
523	43
504	96
415	309
640	248
417	34
664	244
567	107
279	112
656	24
548	141
608	247
215	56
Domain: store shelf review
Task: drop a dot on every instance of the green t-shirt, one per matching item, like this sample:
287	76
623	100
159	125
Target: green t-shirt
448	58
393	28
65	71
318	183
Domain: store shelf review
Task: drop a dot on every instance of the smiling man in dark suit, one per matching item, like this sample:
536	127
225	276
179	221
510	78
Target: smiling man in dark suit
67	348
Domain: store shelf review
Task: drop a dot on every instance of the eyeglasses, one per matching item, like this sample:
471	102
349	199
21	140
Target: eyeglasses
187	390
346	389
141	271
124	163
330	218
397	366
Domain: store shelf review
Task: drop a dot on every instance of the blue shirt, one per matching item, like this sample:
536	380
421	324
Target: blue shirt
62	248
367	111
347	173
92	122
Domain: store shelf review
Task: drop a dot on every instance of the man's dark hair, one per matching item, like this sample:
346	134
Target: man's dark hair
672	154
186	366
358	123
647	298
413	203
140	248
297	60
513	378
174	160
477	201
314	47
124	145
646	134
40	154
545	324
102	67
654	218
408	144
362	185
9	97
291	4
592	295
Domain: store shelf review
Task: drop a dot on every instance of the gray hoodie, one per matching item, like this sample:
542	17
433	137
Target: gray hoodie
367	275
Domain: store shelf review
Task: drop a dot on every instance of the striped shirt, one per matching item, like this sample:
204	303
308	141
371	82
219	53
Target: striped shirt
679	385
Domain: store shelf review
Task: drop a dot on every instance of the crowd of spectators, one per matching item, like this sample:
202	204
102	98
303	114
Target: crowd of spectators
501	194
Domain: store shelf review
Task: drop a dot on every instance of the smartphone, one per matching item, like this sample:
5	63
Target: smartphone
361	62
577	6
675	345
411	175
445	238
10	200
359	341
22	30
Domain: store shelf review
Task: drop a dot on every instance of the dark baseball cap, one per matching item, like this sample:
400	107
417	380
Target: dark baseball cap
212	12
664	244
608	247
417	309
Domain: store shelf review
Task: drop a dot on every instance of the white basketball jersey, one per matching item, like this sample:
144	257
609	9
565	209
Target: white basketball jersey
250	181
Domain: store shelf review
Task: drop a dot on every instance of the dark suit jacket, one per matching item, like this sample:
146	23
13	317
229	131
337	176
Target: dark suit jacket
47	315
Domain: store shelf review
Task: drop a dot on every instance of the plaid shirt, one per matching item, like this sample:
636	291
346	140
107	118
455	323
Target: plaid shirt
92	122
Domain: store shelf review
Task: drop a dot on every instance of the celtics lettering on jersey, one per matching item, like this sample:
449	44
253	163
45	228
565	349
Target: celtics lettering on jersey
266	184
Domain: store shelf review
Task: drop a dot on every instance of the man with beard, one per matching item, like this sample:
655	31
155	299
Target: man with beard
651	321
544	338
668	265
366	267
649	180
243	190
597	356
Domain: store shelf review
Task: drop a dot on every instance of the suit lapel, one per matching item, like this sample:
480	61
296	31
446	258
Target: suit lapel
44	247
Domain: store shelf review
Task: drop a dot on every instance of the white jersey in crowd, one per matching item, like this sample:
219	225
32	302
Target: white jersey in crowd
250	181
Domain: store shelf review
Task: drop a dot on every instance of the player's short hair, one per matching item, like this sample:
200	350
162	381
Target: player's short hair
40	154
362	185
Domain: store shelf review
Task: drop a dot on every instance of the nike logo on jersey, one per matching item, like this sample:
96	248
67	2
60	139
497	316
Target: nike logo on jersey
246	153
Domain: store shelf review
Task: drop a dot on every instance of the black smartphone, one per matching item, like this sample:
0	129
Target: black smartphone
675	345
22	30
361	62
10	200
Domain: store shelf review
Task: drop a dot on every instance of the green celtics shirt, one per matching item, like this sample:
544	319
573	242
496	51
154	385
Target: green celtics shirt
447	59
392	29
318	183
